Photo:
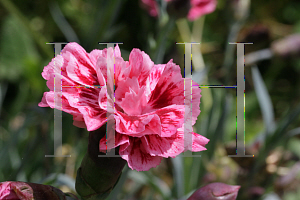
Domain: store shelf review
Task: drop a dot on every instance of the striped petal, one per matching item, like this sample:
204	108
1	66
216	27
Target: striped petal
137	157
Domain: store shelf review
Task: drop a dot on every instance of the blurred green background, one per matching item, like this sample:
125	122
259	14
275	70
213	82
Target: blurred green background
272	106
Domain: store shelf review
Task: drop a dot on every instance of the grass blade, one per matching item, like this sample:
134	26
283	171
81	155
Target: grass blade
264	100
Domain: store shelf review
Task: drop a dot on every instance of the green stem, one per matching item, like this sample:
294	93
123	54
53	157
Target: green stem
161	50
97	176
230	49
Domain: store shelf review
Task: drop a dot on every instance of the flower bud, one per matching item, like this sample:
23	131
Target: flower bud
31	191
216	191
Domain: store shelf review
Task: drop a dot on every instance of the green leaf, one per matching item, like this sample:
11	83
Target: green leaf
15	47
178	175
59	180
62	23
294	132
283	125
264	100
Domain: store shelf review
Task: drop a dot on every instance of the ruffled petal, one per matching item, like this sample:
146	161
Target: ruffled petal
117	51
78	121
141	65
132	125
174	145
86	101
94	55
131	97
104	99
57	69
171	118
153	79
163	122
169	89
65	106
79	124
138	158
79	68
199	142
160	146
94	118
122	71
79	72
120	140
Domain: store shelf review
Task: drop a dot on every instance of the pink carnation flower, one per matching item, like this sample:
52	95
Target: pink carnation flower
198	8
149	102
201	7
151	6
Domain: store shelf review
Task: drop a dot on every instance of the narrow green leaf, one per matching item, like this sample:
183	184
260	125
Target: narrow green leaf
159	185
294	132
62	23
264	100
178	175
